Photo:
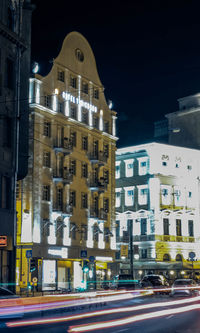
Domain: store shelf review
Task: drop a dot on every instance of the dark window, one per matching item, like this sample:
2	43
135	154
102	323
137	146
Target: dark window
84	142
178	228
85	116
59	198
85	88
46	193
166	226
106	150
73	139
106	126
191	228
84	170
73	167
143	226
9	77
96	93
73	81
144	253
106	176
73	111
118	230
61	107
166	257
96	122
84	200
106	205
61	75
178	257
72	198
46	159
47	101
47	129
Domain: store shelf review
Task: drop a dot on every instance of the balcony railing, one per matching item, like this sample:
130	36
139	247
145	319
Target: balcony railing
97	157
65	146
62	175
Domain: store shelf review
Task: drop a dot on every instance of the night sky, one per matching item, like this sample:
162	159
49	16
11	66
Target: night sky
147	53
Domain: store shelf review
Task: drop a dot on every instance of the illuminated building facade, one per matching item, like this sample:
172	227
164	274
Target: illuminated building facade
68	197
15	40
158	191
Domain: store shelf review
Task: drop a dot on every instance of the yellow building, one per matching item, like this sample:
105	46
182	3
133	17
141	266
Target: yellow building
66	204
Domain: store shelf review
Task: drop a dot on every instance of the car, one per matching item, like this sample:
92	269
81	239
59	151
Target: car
124	281
184	287
153	281
11	305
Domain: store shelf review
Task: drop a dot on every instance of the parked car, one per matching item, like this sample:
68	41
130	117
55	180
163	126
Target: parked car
153	281
124	281
185	287
11	305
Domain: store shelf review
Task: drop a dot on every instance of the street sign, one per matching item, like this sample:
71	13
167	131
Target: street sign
91	258
3	240
28	253
83	253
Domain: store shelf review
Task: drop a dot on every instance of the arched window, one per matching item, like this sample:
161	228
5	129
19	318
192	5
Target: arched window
178	257
166	257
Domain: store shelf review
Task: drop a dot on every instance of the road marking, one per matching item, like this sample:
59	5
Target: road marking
169	317
125	329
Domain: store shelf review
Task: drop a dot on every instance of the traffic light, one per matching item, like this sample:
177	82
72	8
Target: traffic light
33	264
85	267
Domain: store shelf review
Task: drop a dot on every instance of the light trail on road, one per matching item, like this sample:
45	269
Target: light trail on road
134	308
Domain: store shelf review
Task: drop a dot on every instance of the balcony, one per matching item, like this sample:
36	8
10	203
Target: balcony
98	214
97	185
65	146
63	176
97	158
62	209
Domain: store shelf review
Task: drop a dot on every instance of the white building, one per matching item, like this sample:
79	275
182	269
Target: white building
157	188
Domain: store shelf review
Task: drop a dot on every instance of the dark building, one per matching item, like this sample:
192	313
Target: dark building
15	41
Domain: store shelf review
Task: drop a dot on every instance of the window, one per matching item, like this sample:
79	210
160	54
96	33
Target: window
106	205
166	257
73	138
143	195
143	253
85	116
106	150
117	199
84	170
46	159
191	228
9	77
73	230
189	167
47	101
59	197
96	148
61	75
72	198
79	55
60	106
178	227
46	193
129	197
166	226
143	166
73	111
143	226
96	93
117	230
84	142
85	87
106	126
164	163
73	167
84	200
47	129
106	176
129	169
117	171
178	257
95	122
73	81
189	194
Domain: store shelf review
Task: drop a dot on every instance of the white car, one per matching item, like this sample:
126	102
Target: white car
185	287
